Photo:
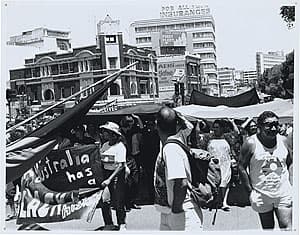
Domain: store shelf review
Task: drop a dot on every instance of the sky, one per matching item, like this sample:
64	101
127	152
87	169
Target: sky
243	27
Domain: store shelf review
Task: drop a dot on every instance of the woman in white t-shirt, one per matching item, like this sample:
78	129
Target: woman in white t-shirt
113	157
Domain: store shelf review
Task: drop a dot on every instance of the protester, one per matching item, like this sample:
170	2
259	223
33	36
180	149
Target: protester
269	160
149	152
131	126
220	148
172	175
80	138
248	128
92	132
113	156
198	133
11	190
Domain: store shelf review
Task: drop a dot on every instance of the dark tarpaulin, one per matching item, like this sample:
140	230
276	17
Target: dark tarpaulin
21	155
247	98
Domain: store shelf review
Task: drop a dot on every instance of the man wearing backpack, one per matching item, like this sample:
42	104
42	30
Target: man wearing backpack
269	160
172	175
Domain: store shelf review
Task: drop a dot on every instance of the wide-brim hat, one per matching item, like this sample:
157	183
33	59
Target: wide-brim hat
111	126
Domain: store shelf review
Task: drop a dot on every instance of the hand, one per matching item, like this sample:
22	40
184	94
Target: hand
135	116
127	171
106	183
256	197
230	120
106	195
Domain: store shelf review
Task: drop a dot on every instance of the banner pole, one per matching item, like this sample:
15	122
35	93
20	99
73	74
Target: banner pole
117	73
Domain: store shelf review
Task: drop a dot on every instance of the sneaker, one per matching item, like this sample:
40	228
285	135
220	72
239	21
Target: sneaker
225	208
109	227
122	227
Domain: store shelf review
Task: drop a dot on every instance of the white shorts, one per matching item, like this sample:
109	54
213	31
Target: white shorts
262	203
189	220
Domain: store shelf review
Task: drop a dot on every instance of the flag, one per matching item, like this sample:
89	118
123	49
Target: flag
40	205
21	155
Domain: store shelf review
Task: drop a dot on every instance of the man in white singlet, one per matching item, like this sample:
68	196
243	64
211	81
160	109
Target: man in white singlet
269	160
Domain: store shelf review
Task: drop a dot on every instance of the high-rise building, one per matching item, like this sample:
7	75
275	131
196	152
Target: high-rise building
249	77
181	30
44	39
268	60
227	82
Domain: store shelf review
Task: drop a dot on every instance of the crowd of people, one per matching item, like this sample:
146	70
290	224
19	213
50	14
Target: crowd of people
134	148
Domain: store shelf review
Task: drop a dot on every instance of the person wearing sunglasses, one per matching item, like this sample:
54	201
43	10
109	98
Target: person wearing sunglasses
268	182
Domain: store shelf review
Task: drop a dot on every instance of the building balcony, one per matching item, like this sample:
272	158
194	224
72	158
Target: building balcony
144	44
208	39
204	50
214	71
208	61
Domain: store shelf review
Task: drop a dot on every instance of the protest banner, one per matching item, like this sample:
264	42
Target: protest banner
38	204
70	169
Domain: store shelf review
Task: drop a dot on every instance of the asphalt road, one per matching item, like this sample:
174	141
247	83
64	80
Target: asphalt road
147	219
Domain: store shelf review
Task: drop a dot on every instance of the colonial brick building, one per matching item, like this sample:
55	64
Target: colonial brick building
53	76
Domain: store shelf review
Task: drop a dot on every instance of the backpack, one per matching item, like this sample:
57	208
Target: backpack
206	177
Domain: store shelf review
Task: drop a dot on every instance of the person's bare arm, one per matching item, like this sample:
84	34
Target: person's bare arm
289	159
114	174
179	192
244	161
139	121
235	127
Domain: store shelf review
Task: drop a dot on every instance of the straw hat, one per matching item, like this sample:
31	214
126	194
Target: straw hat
112	127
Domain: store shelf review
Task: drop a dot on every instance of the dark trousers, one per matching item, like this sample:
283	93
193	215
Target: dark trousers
132	182
117	192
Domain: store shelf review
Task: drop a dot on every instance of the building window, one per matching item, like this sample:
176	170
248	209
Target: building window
62	92
143	40
21	90
143	88
133	88
112	62
86	66
114	89
62	45
111	39
54	69
48	95
64	68
36	72
80	63
72	90
73	67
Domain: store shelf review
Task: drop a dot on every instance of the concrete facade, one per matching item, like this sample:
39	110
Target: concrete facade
268	60
181	30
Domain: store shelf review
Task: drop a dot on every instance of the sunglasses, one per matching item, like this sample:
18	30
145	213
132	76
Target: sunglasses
270	125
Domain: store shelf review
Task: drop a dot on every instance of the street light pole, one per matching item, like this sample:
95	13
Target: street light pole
152	77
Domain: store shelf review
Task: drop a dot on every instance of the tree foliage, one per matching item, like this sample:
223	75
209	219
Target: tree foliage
278	81
288	15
